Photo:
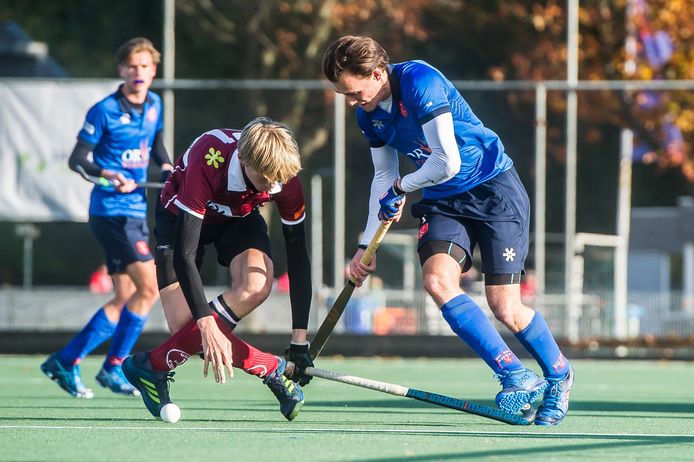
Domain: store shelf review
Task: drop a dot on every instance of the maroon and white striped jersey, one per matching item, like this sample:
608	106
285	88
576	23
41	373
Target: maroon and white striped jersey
208	182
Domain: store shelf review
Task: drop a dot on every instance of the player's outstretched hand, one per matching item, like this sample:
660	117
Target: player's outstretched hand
216	349
299	355
391	203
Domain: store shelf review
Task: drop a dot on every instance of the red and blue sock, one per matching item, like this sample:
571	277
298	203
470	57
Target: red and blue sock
476	330
538	340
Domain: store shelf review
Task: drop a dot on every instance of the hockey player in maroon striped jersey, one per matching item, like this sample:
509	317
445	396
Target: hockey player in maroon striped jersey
212	197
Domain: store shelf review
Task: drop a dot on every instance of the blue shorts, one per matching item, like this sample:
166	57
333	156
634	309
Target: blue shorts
494	216
124	239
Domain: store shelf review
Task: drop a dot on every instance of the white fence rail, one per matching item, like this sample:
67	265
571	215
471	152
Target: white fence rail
370	312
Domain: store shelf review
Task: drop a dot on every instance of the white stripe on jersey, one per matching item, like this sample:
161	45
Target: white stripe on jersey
187	209
220	135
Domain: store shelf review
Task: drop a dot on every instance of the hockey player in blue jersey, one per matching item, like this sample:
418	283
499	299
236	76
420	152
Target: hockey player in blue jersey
122	131
472	197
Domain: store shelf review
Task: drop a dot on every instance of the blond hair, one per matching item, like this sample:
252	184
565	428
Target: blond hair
354	54
269	148
136	45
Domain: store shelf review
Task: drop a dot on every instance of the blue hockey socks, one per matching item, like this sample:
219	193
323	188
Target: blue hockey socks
469	322
97	330
538	340
127	332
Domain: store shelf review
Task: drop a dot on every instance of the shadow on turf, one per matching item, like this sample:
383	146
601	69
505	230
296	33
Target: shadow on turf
576	405
554	451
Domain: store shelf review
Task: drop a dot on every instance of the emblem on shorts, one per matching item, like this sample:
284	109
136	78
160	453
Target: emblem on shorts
509	254
214	158
423	230
142	247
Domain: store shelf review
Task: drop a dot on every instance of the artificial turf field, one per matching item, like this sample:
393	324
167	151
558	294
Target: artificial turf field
620	410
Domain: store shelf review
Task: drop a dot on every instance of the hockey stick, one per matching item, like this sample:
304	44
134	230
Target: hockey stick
427	397
104	182
340	304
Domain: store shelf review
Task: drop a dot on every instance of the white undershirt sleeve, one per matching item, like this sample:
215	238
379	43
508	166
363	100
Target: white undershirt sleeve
386	170
443	162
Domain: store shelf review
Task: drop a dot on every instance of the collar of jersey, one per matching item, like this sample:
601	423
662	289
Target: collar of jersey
126	106
394	80
236	180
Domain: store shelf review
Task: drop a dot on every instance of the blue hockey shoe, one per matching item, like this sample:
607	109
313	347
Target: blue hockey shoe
556	403
68	378
153	385
520	387
288	393
116	381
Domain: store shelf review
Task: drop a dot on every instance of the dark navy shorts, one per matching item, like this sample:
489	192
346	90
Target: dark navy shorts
494	216
230	238
124	239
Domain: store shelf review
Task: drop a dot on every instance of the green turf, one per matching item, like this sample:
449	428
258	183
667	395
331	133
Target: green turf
621	410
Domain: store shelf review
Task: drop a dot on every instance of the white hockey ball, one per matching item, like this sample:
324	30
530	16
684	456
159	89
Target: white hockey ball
170	413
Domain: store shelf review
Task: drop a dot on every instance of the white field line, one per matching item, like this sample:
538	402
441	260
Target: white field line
167	428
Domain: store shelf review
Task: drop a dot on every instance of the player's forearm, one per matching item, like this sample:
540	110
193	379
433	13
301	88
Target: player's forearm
385	162
188	229
80	157
443	162
299	271
159	153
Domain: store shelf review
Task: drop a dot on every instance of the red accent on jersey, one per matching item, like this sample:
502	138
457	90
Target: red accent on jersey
208	182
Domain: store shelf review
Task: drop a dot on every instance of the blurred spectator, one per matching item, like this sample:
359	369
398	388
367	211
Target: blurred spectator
100	282
283	283
528	286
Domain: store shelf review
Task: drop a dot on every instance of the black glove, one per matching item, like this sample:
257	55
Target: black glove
164	175
299	355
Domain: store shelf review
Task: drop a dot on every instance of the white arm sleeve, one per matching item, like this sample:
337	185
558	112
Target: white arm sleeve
443	162
386	168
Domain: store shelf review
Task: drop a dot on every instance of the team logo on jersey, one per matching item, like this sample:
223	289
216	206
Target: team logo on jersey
403	109
421	153
136	158
152	114
125	119
378	124
509	254
142	247
89	128
214	158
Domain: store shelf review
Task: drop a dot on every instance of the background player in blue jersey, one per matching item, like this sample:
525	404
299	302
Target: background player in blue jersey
472	197
122	131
